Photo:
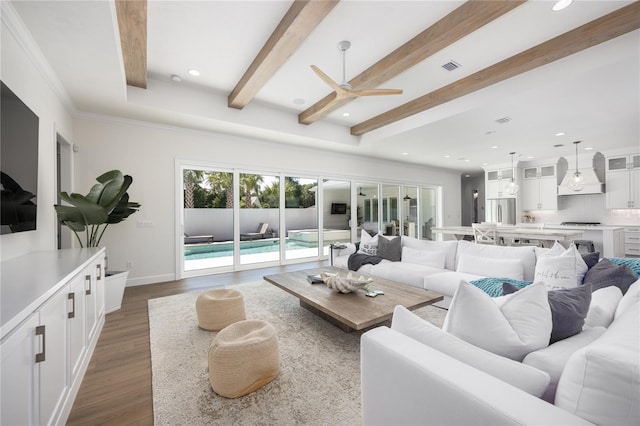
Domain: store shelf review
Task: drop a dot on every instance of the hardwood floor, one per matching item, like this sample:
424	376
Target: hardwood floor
116	389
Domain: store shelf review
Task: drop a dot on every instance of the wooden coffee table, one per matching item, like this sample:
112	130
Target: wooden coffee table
351	311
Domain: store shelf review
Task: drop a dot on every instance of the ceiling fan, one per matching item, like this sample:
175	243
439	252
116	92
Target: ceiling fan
344	89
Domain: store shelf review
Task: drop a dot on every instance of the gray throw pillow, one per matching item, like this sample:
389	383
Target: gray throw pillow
591	259
607	273
569	308
390	249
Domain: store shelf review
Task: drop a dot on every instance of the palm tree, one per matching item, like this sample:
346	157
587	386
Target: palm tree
222	182
249	184
191	178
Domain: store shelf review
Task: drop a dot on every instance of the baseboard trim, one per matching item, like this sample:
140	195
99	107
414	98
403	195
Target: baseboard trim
151	279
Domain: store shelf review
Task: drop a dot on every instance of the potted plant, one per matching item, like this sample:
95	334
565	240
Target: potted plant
106	203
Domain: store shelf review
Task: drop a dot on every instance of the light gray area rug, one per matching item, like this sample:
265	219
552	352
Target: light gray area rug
319	380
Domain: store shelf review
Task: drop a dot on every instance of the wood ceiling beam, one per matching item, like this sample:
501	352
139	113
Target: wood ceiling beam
453	27
605	28
132	24
296	25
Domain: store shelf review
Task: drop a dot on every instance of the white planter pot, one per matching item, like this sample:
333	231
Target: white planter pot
114	289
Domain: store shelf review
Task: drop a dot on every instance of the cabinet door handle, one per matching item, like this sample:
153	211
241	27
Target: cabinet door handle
72	297
99	272
40	332
87	278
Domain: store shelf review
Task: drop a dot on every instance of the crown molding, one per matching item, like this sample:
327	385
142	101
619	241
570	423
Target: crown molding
16	27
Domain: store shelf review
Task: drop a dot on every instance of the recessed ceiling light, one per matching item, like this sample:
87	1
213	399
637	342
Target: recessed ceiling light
299	101
561	5
194	72
560	134
530	157
405	153
485	164
467	175
589	148
467	160
346	114
495	147
176	78
447	156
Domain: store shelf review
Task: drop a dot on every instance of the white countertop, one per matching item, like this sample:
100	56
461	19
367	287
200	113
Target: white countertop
28	281
583	227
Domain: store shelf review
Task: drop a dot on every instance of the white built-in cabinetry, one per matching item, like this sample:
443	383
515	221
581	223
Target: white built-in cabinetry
52	313
632	241
539	188
623	182
495	181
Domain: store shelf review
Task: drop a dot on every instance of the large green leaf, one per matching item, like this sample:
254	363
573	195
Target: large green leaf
108	190
88	212
123	210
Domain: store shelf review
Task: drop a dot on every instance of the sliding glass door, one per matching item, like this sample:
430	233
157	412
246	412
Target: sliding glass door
232	219
301	217
259	218
208	219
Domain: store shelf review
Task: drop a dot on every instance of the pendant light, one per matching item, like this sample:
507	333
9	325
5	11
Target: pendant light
512	187
577	181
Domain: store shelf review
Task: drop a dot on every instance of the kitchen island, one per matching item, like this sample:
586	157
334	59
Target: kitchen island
509	233
607	239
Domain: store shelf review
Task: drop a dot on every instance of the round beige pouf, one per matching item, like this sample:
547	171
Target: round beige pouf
243	357
218	308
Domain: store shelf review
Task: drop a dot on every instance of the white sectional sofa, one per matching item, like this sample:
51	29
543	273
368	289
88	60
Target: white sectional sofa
441	265
414	373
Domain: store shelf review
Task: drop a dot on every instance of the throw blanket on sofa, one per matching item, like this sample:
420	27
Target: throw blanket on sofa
356	260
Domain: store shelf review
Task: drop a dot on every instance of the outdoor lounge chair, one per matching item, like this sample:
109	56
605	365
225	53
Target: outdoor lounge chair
193	239
259	234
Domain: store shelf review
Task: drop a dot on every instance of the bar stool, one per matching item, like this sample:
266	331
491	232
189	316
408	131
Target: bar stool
586	243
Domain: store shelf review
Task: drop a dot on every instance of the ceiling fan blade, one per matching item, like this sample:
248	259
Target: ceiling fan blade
327	79
376	92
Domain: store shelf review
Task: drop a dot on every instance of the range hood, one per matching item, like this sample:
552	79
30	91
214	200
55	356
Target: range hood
593	175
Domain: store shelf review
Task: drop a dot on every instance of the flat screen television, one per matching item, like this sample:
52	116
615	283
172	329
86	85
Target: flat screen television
18	164
338	208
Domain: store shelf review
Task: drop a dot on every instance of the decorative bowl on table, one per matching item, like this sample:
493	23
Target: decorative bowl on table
346	284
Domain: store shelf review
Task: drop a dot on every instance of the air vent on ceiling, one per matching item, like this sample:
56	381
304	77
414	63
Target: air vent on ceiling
558	145
451	65
503	120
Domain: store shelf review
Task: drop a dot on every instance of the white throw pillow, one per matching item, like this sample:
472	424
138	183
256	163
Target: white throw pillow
631	297
525	377
560	268
424	257
521	324
491	267
603	306
368	244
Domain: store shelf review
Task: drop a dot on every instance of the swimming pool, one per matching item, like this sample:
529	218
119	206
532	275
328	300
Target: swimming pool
246	247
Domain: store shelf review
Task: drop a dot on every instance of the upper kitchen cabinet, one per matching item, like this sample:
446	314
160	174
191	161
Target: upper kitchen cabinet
540	187
495	182
623	182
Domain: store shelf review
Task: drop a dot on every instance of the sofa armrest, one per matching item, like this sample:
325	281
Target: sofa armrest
405	382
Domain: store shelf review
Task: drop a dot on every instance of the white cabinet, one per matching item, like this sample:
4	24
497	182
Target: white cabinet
632	241
623	182
539	188
45	342
495	181
19	377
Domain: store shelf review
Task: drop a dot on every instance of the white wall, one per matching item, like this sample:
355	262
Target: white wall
33	85
148	153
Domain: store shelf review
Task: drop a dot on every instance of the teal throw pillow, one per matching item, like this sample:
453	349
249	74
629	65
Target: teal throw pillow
493	286
632	262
